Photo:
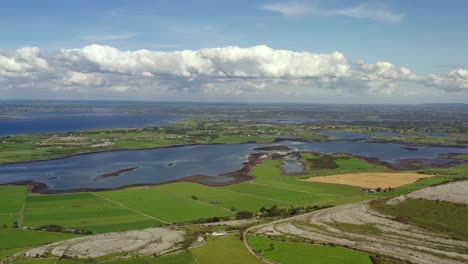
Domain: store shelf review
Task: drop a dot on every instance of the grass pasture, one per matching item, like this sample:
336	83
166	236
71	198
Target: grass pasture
8	219
269	173
142	207
139	207
281	196
287	190
439	216
26	238
291	253
226	250
221	197
322	165
12	197
180	258
82	211
6	253
37	261
165	206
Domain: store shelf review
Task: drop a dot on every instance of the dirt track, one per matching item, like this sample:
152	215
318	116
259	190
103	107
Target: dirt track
392	238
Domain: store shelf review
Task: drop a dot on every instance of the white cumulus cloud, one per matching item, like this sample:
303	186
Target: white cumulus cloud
84	79
454	80
119	88
228	71
22	63
383	70
234	62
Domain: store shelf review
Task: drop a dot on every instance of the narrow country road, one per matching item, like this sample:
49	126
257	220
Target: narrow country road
249	248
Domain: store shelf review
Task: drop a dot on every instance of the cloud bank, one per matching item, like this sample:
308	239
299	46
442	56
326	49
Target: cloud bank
228	62
225	71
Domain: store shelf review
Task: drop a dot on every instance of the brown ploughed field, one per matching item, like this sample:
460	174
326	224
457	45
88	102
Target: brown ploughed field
371	179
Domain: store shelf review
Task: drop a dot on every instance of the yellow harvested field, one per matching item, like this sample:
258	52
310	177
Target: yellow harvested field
371	179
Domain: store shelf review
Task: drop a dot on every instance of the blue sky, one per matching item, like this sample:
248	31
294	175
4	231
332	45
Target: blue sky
428	37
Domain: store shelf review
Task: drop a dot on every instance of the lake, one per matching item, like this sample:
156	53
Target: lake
162	165
41	123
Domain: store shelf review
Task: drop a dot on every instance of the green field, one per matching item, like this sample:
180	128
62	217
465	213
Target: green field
137	208
280	195
291	253
6	253
221	197
165	206
226	250
143	207
26	238
288	190
181	258
12	197
82	211
323	165
36	261
269	173
439	216
13	241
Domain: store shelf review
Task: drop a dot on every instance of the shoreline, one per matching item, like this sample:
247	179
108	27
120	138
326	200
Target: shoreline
274	140
415	144
243	174
445	160
238	176
114	150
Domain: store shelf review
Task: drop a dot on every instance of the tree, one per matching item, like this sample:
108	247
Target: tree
244	215
274	211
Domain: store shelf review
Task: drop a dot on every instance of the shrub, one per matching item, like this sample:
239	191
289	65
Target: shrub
244	215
